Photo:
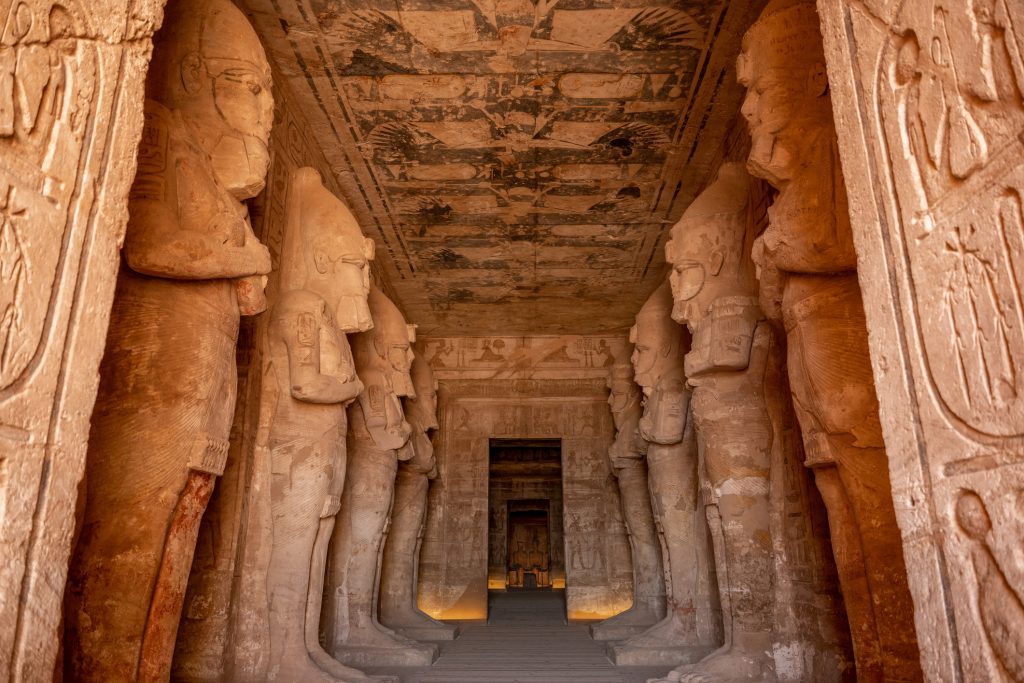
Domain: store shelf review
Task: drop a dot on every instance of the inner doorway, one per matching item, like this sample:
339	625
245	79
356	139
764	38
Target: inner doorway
526	538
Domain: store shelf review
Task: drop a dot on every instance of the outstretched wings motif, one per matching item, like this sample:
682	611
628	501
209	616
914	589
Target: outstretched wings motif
658	28
397	141
376	32
632	136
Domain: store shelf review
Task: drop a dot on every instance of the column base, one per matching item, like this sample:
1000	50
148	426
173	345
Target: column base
362	657
623	654
439	632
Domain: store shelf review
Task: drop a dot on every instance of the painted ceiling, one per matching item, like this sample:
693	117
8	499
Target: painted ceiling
518	162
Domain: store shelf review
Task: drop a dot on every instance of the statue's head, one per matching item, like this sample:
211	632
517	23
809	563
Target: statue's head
392	342
208	65
782	66
622	390
325	252
659	343
709	247
421	411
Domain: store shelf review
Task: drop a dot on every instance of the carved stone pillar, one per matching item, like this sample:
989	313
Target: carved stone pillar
310	378
626	456
400	562
681	636
810	245
192	266
377	434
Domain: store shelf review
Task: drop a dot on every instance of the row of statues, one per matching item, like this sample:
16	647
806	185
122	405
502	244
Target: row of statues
739	307
344	426
344	437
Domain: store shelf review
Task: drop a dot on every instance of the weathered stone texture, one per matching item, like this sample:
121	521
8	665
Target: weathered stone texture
70	119
929	97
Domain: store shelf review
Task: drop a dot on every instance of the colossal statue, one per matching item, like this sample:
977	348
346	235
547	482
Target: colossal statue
377	437
310	378
192	266
400	562
687	633
626	456
715	296
808	250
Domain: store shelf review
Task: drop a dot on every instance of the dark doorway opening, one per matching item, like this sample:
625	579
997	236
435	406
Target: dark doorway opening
526	538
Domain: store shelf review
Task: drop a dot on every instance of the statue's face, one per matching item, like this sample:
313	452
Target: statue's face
645	361
691	269
768	109
399	357
619	395
235	107
343	268
426	405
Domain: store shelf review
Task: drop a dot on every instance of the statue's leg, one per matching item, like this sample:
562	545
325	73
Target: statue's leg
648	580
365	507
673	489
848	551
736	434
865	479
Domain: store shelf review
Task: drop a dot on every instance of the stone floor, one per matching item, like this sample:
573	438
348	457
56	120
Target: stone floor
526	639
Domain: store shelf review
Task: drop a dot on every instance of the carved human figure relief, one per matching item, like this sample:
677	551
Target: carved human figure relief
400	561
309	379
377	438
808	246
715	296
70	102
629	465
684	635
935	174
192	266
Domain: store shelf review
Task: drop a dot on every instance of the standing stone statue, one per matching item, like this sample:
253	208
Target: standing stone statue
626	456
715	294
192	265
310	378
377	434
807	250
686	634
400	562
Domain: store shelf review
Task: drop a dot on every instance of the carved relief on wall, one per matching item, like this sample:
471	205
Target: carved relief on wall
951	86
71	81
937	87
48	80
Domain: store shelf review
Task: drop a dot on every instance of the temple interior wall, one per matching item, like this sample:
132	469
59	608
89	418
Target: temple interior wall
541	387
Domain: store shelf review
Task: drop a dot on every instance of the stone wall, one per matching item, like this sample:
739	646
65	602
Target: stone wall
70	120
539	387
929	102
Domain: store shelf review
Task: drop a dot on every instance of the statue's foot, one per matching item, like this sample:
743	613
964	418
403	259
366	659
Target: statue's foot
667	633
302	669
726	666
333	667
379	637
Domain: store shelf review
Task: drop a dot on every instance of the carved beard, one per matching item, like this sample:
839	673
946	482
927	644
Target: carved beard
240	163
353	314
768	159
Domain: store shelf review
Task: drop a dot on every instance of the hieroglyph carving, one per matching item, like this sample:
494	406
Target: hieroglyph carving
714	292
310	378
377	438
400	562
160	429
71	77
931	93
808	249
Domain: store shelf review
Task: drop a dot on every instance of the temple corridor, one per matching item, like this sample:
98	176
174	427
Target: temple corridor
525	639
501	341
